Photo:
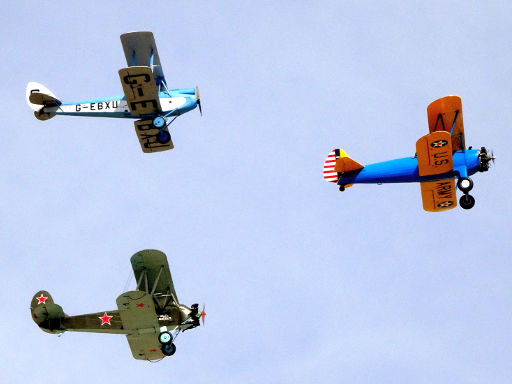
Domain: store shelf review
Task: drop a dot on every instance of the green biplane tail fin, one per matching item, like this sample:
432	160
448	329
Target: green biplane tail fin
45	313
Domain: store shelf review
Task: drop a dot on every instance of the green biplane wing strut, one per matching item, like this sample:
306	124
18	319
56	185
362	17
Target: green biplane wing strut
152	273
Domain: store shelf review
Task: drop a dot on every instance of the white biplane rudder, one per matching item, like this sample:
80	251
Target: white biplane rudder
38	98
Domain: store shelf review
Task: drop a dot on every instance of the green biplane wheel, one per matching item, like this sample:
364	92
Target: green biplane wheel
168	349
467	201
165	337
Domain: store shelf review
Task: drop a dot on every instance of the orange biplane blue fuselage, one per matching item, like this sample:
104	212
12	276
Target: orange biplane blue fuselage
441	157
405	170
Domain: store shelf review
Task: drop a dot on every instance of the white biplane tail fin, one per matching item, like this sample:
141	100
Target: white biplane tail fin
39	98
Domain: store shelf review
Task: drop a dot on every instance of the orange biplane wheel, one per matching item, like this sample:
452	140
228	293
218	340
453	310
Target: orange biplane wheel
465	184
467	201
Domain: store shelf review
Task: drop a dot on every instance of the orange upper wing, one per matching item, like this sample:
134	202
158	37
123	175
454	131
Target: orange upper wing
445	114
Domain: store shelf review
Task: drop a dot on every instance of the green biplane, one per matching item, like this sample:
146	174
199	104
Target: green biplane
151	316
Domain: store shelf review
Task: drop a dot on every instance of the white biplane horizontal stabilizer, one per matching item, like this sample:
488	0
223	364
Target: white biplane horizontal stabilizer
38	97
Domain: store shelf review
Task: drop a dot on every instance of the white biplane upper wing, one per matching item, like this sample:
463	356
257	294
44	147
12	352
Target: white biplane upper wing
140	50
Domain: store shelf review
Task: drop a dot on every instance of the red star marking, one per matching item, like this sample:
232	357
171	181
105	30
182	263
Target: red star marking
105	319
152	350
140	305
41	299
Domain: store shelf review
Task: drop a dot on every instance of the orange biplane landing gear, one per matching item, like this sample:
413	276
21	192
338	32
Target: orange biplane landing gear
465	184
467	201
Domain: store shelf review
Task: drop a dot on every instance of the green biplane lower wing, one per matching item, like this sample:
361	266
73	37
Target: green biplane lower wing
140	322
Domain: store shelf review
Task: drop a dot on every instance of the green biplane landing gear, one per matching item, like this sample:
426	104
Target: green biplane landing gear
168	349
163	136
165	337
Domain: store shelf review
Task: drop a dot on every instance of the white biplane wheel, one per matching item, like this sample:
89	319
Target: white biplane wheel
165	337
168	349
465	184
158	122
467	201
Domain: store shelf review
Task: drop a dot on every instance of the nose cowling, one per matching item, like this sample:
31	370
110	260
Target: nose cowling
485	159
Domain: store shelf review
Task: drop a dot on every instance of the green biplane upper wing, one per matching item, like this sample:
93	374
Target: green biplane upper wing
152	273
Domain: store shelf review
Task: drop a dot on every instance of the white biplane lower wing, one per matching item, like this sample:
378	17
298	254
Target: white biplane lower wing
140	90
140	50
147	134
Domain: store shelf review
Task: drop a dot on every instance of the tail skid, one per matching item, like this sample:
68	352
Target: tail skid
38	97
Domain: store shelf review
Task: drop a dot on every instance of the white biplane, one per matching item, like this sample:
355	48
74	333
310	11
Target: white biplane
146	96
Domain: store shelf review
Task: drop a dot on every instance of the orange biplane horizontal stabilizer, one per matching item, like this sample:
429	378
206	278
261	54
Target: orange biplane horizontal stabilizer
438	195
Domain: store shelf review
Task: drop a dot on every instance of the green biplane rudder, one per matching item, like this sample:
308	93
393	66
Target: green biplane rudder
45	313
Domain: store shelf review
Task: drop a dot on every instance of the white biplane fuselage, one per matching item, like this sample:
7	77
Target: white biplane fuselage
174	103
146	98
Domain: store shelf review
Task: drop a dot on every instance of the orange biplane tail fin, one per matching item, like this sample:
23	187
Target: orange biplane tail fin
339	162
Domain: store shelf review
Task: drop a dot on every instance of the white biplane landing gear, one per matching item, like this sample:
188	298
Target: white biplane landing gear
160	122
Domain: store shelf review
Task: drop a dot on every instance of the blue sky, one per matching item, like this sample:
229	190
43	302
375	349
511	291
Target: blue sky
302	284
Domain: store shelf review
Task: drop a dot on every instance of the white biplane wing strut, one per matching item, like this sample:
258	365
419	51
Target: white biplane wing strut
140	51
